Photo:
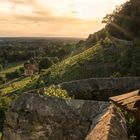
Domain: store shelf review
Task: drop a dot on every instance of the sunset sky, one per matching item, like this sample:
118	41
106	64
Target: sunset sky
43	18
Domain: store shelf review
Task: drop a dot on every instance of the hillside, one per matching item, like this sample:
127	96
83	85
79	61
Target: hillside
102	60
102	54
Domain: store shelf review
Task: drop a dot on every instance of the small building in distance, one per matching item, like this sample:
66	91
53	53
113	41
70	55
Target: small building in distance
30	68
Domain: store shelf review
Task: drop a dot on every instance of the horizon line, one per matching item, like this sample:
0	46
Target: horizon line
41	37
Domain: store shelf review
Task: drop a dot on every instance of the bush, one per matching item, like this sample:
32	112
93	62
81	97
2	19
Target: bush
40	83
2	80
4	103
2	117
1	67
56	91
45	63
21	70
133	126
116	75
12	75
55	59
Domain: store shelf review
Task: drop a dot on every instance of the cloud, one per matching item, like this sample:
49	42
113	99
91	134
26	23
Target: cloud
51	17
23	2
21	25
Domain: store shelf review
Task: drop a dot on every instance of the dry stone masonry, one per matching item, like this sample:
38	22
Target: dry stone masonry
35	117
101	88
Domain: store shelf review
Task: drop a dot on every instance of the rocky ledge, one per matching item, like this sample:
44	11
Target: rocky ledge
35	117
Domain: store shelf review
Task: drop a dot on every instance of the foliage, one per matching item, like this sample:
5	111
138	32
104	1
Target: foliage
90	41
97	61
40	83
11	68
13	75
21	49
124	21
17	85
56	91
2	80
55	59
106	42
45	63
4	103
1	67
133	126
116	75
2	117
129	62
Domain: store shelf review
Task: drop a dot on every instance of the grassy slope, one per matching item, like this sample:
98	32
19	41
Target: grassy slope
16	86
67	70
11	68
96	61
14	89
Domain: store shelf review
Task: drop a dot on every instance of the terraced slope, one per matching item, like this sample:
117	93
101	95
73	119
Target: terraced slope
11	68
97	61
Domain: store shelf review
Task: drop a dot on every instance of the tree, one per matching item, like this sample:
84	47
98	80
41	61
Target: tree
1	67
124	21
2	80
12	75
45	63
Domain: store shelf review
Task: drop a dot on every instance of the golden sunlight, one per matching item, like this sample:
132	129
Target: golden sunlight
53	17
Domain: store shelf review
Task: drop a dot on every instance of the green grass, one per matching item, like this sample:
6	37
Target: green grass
11	68
17	85
93	62
63	69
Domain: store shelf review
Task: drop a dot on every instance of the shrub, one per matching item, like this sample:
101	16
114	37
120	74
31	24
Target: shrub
116	75
4	103
2	80
12	75
45	63
56	91
133	126
1	67
55	59
21	70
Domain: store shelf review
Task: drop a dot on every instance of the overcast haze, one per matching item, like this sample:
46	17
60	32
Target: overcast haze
70	18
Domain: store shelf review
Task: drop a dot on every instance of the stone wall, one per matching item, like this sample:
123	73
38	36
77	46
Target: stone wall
111	126
35	117
101	88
